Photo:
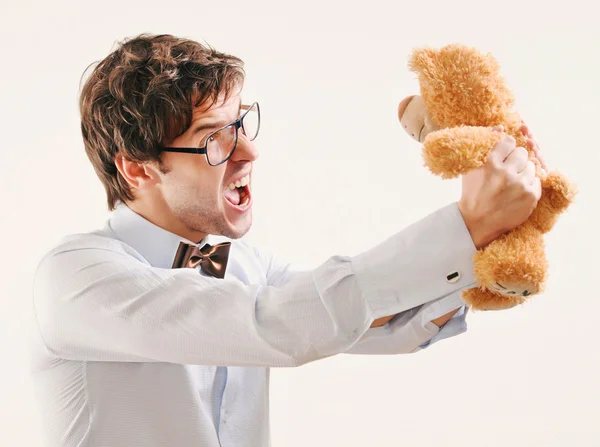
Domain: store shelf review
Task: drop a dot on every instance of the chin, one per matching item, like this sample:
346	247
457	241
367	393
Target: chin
236	227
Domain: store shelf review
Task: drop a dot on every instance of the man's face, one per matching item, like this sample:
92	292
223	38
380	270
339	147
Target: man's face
198	194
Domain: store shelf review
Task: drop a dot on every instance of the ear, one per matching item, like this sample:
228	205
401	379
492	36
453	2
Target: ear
138	175
422	61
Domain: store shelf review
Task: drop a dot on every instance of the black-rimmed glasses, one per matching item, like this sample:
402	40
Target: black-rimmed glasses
221	144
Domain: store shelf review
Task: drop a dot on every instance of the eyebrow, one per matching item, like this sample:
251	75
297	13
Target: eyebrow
216	124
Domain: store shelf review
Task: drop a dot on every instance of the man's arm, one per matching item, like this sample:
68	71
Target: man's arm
413	330
451	238
437	321
96	300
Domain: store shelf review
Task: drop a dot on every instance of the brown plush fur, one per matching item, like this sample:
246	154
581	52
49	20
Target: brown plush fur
465	95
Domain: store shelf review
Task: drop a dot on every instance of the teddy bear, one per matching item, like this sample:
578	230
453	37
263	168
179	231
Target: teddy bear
463	97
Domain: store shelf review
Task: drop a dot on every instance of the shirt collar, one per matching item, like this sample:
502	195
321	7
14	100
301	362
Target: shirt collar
157	245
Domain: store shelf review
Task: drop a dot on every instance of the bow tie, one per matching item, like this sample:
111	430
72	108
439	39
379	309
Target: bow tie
212	259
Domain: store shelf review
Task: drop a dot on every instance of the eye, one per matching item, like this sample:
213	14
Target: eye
205	141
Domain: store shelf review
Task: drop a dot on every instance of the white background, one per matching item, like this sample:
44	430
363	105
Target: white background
336	176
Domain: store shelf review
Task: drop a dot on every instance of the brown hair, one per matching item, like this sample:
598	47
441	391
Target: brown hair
142	95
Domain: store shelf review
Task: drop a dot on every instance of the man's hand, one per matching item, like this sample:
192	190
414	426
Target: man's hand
501	195
497	197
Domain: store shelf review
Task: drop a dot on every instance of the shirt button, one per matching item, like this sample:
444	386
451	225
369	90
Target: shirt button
453	277
353	334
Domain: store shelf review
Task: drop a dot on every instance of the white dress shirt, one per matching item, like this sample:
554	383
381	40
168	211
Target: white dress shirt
127	352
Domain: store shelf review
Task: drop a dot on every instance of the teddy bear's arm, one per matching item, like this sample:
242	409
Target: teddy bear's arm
454	151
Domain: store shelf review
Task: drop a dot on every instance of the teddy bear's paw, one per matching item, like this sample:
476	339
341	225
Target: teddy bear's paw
481	298
513	265
513	289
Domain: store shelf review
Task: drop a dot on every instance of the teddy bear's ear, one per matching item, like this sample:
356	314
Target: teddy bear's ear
422	61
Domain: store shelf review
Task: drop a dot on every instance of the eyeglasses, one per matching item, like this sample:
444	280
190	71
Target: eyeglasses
221	144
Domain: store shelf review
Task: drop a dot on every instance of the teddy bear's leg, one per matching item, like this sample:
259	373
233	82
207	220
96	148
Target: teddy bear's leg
557	194
481	298
513	265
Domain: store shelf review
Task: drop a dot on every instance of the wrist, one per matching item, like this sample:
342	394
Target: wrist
478	226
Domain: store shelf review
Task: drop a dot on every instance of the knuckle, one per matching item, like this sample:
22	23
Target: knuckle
532	192
521	186
494	164
508	177
531	169
521	152
505	141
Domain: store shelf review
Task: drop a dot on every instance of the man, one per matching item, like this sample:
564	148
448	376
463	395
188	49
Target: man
139	339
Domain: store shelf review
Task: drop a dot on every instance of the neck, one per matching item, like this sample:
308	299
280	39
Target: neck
161	215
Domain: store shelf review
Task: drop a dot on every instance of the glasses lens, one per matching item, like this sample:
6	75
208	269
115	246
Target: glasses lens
251	122
220	145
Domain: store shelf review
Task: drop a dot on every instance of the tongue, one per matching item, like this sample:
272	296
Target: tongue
233	195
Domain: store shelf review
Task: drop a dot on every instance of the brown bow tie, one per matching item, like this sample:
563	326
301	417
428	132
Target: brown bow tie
212	259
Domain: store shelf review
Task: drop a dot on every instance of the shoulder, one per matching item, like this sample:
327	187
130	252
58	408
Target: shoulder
77	251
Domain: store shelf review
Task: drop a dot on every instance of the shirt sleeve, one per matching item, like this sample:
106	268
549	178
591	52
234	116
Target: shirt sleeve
412	331
96	302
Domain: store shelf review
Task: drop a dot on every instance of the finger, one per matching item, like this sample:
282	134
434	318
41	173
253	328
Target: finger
528	173
538	156
537	188
533	144
502	149
527	132
517	159
534	147
499	128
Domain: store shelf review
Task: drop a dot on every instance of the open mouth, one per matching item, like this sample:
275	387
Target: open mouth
238	193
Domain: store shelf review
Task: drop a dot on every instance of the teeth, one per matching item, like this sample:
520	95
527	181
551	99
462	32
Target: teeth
244	200
241	182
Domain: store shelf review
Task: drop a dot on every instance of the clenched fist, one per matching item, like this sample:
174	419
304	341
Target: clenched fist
502	194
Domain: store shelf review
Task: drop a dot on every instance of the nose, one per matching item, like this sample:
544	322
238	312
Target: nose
245	150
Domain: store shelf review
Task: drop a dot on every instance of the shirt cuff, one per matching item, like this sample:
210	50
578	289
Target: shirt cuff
430	259
453	327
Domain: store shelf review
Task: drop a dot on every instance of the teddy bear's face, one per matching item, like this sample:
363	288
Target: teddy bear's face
461	86
415	118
